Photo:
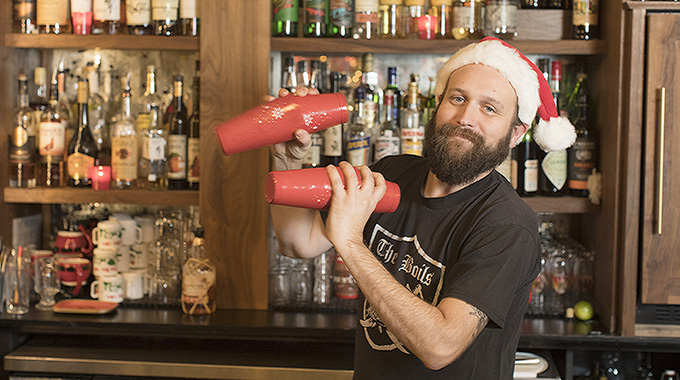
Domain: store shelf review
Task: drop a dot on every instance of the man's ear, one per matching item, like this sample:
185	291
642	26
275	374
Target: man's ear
518	132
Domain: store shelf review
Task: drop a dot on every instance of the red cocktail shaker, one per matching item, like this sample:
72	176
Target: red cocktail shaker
311	188
275	121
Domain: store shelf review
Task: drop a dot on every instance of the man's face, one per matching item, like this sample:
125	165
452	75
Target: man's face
472	130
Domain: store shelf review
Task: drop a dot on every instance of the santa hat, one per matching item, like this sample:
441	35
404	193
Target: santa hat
552	133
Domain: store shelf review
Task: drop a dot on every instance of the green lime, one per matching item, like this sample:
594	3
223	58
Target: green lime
584	311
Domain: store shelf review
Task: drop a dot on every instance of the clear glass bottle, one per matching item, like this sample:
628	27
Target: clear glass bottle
22	157
316	18
373	95
388	142
392	19
40	99
412	132
443	11
313	157
82	149
106	17
289	76
64	102
177	139
24	16
365	19
358	138
81	16
526	164
189	17
415	10
500	19
53	17
194	139
468	19
52	137
165	14
153	163
138	17
124	152
303	73
166	262
97	117
331	154
149	99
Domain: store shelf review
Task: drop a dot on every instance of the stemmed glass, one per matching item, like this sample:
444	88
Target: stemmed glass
47	283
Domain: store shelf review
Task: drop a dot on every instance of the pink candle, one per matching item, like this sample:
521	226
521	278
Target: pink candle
426	27
101	176
81	14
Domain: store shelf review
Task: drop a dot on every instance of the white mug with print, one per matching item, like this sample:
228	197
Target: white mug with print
108	288
107	234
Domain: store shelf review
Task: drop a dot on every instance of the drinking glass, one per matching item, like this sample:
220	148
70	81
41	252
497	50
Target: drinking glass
17	282
47	283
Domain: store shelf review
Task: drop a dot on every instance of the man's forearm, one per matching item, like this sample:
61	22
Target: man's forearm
299	231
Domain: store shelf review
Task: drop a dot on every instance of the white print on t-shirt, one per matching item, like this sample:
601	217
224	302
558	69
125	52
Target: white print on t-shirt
412	267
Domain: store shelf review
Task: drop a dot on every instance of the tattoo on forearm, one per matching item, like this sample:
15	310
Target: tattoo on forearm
482	319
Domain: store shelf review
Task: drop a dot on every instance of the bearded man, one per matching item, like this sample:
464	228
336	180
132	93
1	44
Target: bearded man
445	279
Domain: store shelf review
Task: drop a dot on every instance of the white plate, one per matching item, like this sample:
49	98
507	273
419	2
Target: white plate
529	365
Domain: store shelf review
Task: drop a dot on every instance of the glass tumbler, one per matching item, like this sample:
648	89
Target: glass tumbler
47	283
17	283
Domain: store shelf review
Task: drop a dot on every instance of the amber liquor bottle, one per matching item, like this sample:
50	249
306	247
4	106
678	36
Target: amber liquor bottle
52	140
22	141
82	150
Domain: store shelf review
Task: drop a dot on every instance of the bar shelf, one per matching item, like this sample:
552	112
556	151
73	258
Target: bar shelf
45	195
123	42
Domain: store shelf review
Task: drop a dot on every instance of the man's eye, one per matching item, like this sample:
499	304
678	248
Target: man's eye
489	109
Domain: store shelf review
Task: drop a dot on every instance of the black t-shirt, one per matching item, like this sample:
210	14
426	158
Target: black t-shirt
479	245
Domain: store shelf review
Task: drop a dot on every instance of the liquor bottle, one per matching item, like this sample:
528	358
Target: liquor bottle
52	137
412	132
124	152
153	164
22	155
429	104
442	10
82	149
331	154
53	17
97	117
24	17
289	76
193	147
500	19
107	17
388	143
373	95
358	134
526	163
341	18
138	17
315	77
41	98
468	19
392	19
415	9
313	157
582	156
177	139
365	19
149	99
165	15
303	73
393	90
64	104
552	168
81	16
533	4
285	18
316	18
189	17
585	23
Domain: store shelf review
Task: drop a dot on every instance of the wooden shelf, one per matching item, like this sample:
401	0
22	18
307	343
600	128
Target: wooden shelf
652	5
124	42
69	195
350	46
561	205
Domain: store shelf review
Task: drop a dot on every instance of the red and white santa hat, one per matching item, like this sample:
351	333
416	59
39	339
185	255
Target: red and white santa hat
552	133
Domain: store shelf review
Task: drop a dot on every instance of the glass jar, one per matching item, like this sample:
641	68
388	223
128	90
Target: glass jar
500	19
442	10
468	19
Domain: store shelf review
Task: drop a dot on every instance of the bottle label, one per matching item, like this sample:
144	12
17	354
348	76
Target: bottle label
52	138
315	11
412	141
106	10
341	13
366	6
357	150
332	141
531	176
52	12
193	150
285	10
21	148
153	149
585	12
313	156
138	12
165	9
500	14
464	15
188	8
143	122
81	6
581	163
386	146
554	167
177	157
124	157
79	165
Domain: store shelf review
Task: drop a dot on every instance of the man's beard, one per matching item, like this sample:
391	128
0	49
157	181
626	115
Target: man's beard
455	166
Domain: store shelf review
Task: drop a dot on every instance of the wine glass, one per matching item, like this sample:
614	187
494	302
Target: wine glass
47	283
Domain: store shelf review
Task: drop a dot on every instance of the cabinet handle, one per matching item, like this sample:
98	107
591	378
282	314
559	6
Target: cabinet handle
660	153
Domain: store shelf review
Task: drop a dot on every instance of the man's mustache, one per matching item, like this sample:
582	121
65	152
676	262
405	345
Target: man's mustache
456	130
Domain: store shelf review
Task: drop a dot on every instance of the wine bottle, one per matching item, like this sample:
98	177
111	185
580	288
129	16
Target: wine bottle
124	152
552	168
52	137
138	17
316	18
582	156
189	17
153	164
285	18
24	17
365	19
393	90
500	18
177	139
97	117
52	16
289	76
331	154
82	149
165	15
468	19
22	141
392	19
526	162
341	18
193	147
585	24
106	17
149	99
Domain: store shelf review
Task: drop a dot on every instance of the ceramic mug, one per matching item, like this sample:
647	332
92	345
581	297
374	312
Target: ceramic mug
136	285
123	258
107	234
72	241
108	288
104	262
139	256
74	272
131	233
148	225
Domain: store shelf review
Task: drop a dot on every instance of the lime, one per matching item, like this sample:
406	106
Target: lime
584	311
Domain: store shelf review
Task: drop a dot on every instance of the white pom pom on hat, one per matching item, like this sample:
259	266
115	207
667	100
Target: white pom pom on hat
553	132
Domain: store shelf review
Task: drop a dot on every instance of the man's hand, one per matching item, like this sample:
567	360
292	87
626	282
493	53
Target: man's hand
288	155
